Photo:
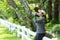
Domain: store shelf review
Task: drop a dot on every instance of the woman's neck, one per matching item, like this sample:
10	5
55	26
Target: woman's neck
41	16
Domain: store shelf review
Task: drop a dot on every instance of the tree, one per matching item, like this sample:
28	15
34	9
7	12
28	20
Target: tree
12	3
49	9
56	12
29	16
59	10
40	3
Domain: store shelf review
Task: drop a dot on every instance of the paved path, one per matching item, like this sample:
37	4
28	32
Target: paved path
5	34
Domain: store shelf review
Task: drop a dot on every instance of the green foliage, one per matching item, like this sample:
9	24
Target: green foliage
54	22
56	28
10	19
49	26
1	16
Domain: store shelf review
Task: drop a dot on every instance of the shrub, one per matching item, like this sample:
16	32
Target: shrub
56	28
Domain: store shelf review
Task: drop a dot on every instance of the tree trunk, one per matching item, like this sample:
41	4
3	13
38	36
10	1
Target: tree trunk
29	14
49	9
56	12
59	11
12	3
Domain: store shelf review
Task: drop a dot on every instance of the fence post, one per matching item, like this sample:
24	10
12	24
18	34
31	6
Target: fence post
23	32
18	32
56	35
28	34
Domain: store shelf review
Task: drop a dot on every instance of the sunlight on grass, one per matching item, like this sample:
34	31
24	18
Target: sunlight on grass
32	37
58	37
5	34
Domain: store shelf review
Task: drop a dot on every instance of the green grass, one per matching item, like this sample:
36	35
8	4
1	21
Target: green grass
5	34
32	37
58	37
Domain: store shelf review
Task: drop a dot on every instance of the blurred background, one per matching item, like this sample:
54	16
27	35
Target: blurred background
21	12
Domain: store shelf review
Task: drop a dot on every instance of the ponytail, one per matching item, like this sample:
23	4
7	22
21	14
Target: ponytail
45	18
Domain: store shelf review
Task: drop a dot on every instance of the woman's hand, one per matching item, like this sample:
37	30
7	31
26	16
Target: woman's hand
35	13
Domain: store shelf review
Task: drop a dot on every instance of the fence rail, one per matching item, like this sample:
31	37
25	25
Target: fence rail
20	30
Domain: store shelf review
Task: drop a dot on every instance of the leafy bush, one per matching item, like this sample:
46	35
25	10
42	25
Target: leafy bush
49	26
56	28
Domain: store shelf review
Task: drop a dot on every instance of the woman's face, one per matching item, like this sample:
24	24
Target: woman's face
40	14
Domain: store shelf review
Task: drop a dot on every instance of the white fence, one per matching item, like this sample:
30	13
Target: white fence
21	30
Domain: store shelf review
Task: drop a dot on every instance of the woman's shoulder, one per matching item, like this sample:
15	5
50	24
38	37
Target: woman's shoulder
42	18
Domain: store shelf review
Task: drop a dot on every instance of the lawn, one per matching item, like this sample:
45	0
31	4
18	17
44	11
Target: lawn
5	34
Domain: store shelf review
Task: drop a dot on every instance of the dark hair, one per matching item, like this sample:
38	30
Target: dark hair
36	9
45	18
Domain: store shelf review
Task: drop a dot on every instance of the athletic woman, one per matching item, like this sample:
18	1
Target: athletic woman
40	30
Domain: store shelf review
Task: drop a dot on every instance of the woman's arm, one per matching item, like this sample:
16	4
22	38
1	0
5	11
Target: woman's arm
40	21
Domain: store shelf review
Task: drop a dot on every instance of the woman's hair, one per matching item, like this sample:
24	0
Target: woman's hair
36	9
45	18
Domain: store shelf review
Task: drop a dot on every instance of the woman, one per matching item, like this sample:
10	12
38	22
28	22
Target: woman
40	25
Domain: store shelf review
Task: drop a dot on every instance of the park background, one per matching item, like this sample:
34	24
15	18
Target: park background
21	12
